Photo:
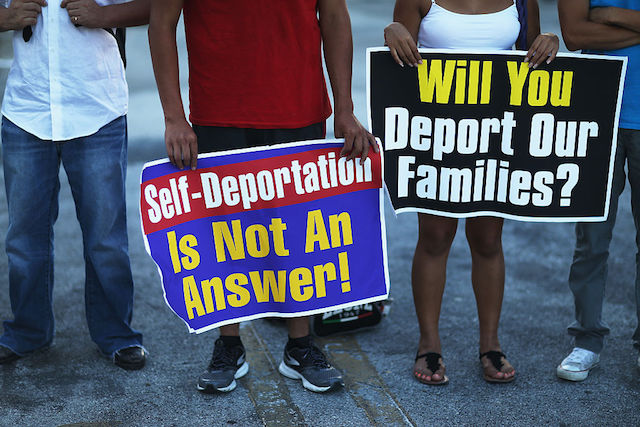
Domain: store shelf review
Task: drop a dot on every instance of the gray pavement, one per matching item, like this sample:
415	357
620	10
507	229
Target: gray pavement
71	384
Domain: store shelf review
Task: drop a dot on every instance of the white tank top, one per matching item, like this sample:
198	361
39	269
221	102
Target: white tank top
444	29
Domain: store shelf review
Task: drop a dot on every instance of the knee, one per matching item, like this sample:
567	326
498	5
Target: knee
435	241
487	245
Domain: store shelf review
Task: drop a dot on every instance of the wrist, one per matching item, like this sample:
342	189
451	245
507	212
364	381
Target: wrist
105	16
7	20
343	108
175	120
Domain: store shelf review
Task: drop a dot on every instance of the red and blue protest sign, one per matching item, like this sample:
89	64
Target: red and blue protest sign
286	231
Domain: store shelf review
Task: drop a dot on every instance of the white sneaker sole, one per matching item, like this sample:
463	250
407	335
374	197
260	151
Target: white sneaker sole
241	372
573	375
295	375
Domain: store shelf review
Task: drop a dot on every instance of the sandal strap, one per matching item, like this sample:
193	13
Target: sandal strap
495	357
432	359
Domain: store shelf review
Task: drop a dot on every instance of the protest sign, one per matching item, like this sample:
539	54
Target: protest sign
470	134
286	230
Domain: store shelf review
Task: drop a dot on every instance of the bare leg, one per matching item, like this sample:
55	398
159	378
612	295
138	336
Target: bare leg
230	330
428	277
484	235
298	327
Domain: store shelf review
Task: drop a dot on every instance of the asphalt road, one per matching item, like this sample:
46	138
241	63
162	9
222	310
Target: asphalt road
71	384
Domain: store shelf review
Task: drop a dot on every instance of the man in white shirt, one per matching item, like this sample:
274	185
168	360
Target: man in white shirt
66	101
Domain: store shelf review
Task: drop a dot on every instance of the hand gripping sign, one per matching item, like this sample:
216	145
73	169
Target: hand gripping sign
480	133
286	230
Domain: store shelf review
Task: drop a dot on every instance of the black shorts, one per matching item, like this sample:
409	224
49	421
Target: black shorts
217	138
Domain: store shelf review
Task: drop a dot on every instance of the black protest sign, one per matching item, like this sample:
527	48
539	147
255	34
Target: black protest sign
468	134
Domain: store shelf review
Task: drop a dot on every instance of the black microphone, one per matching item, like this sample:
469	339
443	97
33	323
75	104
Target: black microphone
27	32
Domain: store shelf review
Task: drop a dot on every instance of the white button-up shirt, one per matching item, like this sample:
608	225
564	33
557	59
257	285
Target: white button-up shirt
66	82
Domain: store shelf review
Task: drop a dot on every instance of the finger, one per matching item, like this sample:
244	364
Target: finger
541	55
179	155
554	52
408	54
373	142
532	50
530	53
194	153
171	153
394	55
30	15
32	7
356	149
534	57
365	149
186	155
347	147
416	54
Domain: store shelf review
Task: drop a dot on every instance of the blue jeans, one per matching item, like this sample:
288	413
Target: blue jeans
588	273
96	168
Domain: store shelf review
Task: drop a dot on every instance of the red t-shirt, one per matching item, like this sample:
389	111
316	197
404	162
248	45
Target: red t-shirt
255	63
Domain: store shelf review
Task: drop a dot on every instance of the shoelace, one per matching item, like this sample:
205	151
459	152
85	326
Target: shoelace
316	357
223	357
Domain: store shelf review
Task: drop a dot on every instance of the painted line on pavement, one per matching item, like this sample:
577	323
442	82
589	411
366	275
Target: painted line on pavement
267	390
363	383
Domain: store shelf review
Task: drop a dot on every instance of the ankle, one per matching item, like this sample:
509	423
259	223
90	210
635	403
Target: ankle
300	342
230	340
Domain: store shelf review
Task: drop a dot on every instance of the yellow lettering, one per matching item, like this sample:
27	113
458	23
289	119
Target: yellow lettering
431	80
257	247
216	285
343	262
517	79
299	281
538	88
277	227
320	273
561	98
316	232
487	69
261	286
192	297
222	238
234	284
191	258
173	251
461	79
337	223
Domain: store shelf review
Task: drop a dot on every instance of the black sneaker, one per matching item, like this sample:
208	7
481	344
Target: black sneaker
310	365
227	364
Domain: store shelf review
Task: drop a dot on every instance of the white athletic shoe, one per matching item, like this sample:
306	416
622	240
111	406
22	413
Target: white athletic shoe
576	366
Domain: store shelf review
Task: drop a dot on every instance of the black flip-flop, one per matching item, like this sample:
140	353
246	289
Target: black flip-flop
433	364
495	357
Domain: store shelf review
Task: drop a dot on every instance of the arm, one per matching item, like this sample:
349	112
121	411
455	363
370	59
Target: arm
581	33
91	15
402	34
625	18
20	14
335	27
180	140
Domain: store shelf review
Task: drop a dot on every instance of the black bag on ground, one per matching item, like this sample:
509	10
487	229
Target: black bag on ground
349	319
